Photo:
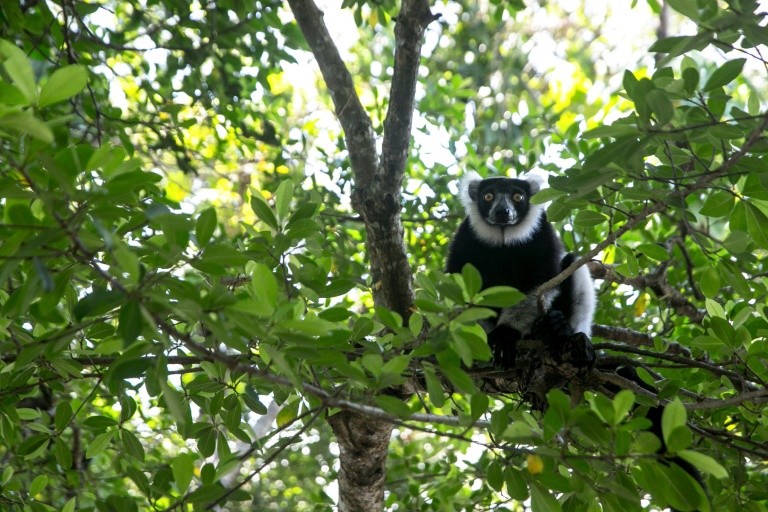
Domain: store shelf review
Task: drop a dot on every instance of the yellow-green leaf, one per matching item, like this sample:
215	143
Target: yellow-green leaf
16	64
183	469
63	84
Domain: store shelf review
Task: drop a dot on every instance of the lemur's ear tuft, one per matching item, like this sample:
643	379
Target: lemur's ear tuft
536	178
468	189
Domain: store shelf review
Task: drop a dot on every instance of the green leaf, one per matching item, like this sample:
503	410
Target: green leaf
431	306
500	297
62	84
622	404
6	476
39	483
34	445
46	280
703	463
176	404
415	324
362	327
25	122
687	8
288	413
132	445
62	415
672	417
630	267
757	225
670	44
99	422
223	254
709	282
629	82
263	289
99	444
516	484
393	405
373	363
614	151
653	251
495	476
680	490
262	210
16	64
127	261
660	105
130	322
719	204
472	279
396	365
206	443
97	303
205	226
130	181
473	315
589	218
542	500
615	131
434	387
62	453
70	505
335	287
725	74
459	378
691	79
283	197
183	468
479	403
389	318
127	407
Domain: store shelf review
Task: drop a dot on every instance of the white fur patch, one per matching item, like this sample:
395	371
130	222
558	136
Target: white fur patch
497	235
538	179
466	201
524	231
583	301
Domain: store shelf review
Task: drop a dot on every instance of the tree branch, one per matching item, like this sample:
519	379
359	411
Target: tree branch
376	195
637	339
658	206
657	283
358	129
693	363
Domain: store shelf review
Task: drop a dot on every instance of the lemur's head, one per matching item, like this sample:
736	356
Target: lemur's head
499	208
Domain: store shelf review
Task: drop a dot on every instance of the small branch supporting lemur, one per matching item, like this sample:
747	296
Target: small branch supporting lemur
637	339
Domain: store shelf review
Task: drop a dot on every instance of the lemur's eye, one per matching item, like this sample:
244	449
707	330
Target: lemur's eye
488	197
518	198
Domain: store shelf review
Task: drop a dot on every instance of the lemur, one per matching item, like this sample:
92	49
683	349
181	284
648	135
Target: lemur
511	243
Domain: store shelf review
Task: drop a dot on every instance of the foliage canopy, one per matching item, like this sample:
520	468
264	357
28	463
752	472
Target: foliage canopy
186	289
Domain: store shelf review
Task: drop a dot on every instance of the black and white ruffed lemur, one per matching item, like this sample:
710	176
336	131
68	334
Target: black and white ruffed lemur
511	243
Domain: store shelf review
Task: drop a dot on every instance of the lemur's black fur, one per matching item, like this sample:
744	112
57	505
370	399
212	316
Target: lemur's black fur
511	243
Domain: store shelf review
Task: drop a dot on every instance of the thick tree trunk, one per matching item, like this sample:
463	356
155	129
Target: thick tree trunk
363	444
363	440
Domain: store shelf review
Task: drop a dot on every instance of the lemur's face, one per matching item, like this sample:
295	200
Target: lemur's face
501	201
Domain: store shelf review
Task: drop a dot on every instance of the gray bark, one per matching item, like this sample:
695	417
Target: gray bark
363	440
